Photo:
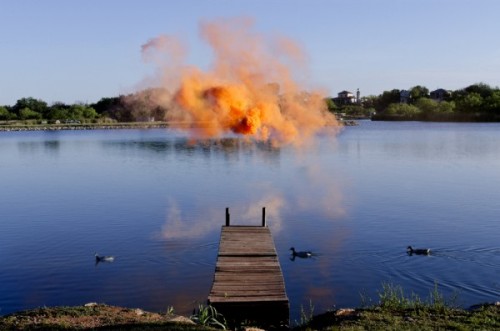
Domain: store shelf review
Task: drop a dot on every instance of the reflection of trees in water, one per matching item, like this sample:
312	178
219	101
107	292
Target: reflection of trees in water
47	146
226	147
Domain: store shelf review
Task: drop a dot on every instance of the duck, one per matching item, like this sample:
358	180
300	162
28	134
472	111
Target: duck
103	258
418	251
303	255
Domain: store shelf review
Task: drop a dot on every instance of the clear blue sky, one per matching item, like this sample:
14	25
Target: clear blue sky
80	51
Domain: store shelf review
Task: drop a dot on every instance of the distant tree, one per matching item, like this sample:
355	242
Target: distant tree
81	112
32	104
386	98
467	98
446	107
121	111
418	92
469	103
58	111
89	113
106	105
28	114
492	103
4	114
369	101
330	104
402	109
426	105
484	90
357	111
114	108
141	106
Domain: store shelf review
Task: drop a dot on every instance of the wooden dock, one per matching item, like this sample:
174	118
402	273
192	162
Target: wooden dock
248	282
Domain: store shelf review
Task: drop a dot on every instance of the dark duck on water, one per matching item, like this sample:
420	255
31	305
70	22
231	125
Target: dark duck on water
418	251
302	255
103	258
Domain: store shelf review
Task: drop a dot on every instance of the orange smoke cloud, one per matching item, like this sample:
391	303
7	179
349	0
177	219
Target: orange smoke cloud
249	90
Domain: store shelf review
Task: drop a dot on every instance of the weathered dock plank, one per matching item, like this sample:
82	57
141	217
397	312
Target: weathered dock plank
248	282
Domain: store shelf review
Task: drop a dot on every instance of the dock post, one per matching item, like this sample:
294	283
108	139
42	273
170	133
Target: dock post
263	216
227	217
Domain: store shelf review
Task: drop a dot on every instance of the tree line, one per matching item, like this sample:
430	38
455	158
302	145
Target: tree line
477	102
140	106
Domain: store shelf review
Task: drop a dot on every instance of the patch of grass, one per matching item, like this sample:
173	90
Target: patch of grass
392	297
306	316
170	310
94	317
209	316
397	311
487	318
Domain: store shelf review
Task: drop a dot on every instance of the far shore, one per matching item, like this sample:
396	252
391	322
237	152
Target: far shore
106	126
85	126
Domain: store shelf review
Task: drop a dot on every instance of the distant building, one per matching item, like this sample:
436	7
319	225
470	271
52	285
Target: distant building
404	96
345	98
440	94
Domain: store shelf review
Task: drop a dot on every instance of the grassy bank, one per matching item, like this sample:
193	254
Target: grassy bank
103	317
394	311
397	311
95	317
484	318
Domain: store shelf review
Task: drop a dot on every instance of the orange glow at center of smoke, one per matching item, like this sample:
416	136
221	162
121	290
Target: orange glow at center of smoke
228	107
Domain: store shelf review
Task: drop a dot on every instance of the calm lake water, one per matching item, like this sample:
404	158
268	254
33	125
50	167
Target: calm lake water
157	201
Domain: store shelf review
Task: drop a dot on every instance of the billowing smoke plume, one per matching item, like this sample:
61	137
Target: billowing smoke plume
250	88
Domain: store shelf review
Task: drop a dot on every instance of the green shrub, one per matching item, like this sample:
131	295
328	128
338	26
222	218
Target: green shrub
209	316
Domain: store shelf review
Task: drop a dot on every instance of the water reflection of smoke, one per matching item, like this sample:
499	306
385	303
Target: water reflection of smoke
251	213
320	191
46	146
314	191
228	147
178	226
